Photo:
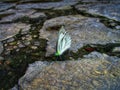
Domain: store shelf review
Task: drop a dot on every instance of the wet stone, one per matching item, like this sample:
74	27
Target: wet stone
111	11
82	74
83	31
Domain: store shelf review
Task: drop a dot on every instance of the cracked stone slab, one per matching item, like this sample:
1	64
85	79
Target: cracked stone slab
25	1
93	73
5	6
10	30
48	5
111	11
19	14
83	30
100	1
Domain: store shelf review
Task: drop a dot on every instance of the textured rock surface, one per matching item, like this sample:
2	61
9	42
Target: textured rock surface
83	30
48	5
19	14
10	30
4	6
1	47
103	1
116	49
93	74
94	71
111	11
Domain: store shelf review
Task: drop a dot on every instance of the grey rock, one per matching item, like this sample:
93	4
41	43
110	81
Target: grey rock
1	48
7	12
111	11
37	43
12	15
21	45
92	74
26	42
63	8
37	15
117	27
100	1
10	40
1	58
26	1
95	54
17	15
48	5
10	30
15	87
10	1
5	6
83	30
116	49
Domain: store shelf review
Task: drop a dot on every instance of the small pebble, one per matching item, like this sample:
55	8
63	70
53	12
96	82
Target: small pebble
117	27
116	49
34	47
1	58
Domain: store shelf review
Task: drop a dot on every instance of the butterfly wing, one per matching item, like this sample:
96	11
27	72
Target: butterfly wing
64	41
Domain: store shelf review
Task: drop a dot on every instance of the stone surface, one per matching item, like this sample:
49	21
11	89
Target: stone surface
5	6
63	8
111	11
10	30
37	15
116	49
48	5
95	55
19	14
26	1
84	74
83	30
10	1
100	1
1	47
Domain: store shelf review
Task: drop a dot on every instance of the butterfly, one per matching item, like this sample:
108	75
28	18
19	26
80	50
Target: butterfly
63	42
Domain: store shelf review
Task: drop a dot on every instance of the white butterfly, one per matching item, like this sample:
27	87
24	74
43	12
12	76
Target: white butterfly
63	43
